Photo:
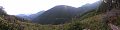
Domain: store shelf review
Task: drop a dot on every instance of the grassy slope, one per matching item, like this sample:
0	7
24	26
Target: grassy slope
94	23
18	25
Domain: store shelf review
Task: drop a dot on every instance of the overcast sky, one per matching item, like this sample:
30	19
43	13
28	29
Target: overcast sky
14	7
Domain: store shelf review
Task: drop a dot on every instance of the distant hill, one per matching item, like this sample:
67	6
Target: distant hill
56	15
33	16
30	17
89	7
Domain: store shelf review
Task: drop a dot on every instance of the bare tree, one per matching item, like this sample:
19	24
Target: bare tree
2	12
112	3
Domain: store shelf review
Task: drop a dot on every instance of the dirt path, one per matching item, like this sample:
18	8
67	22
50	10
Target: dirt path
111	17
114	27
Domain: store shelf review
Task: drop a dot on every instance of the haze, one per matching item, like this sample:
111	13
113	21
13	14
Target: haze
15	7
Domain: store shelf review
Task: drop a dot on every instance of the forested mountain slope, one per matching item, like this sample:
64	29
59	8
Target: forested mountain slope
63	14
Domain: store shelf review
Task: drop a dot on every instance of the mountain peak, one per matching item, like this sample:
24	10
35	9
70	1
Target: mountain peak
63	6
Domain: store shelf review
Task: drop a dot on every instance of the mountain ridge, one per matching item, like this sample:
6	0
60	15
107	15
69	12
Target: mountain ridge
62	14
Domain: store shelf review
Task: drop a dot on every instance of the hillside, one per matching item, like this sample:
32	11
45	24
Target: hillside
102	18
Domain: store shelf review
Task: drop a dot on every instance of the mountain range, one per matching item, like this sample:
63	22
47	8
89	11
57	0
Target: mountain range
60	14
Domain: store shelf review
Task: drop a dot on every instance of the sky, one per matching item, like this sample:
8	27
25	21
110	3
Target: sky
15	7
